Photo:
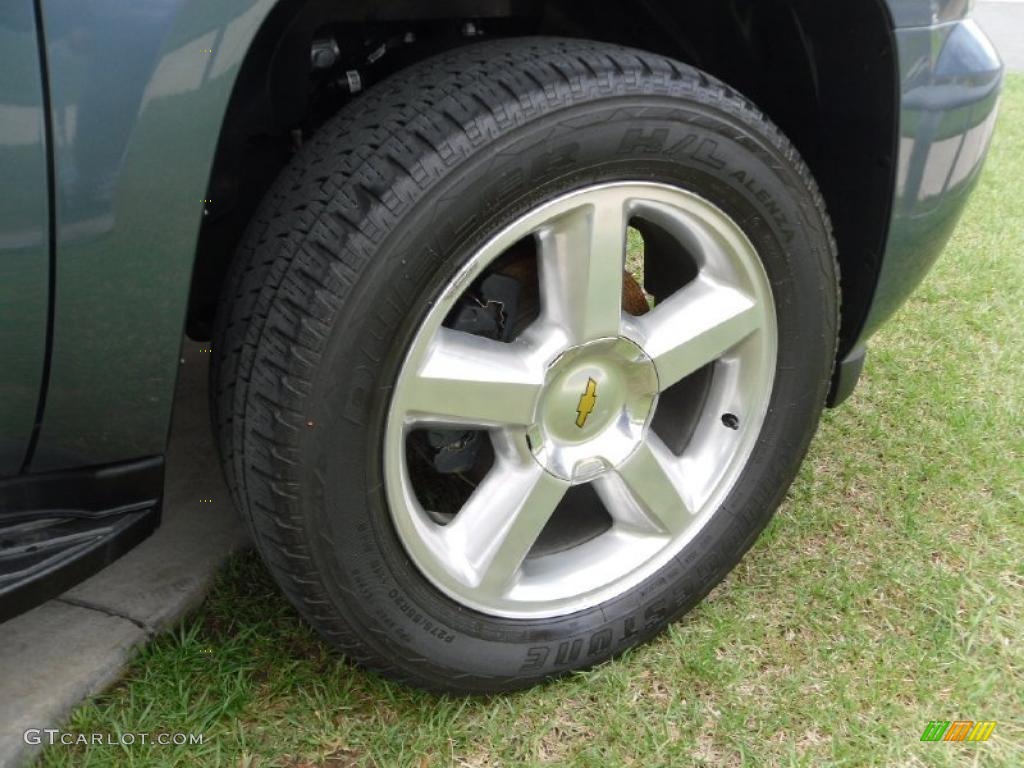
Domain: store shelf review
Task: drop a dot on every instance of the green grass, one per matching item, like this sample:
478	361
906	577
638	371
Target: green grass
889	591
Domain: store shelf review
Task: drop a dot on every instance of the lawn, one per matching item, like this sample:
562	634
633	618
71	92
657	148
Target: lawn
888	592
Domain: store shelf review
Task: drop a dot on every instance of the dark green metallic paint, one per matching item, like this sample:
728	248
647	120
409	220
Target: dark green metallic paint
24	217
950	77
137	107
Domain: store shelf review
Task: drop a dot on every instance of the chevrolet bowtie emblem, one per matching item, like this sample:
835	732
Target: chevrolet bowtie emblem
587	402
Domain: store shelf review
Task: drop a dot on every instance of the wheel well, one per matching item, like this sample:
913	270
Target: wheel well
824	73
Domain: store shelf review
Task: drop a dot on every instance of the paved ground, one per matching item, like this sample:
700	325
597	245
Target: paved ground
1003	21
58	654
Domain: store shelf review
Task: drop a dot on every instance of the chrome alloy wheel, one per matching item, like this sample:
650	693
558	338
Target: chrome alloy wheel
571	401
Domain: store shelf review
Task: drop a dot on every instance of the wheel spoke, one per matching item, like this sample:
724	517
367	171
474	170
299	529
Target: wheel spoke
582	256
648	493
694	326
472	380
589	350
492	534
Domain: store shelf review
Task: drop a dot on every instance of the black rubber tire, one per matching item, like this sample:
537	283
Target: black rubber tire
372	216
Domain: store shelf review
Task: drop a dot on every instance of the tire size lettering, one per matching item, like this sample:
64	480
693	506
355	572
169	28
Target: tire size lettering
418	618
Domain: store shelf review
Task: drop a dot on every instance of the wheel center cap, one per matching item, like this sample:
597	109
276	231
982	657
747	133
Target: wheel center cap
596	403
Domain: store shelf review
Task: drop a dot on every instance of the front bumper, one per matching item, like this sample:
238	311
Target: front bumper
950	78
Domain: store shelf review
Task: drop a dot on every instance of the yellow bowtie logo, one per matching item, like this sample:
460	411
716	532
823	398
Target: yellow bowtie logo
587	402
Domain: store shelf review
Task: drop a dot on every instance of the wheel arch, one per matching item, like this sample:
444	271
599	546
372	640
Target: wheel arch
836	103
147	126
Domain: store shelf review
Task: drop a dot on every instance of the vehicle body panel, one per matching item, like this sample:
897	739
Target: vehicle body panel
138	93
24	241
950	78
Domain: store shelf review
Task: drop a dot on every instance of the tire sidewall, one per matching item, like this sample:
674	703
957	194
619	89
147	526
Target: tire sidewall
369	578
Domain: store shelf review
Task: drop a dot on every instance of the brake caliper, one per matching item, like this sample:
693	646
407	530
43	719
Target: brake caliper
489	312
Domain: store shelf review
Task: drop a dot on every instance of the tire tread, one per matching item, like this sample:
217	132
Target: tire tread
313	235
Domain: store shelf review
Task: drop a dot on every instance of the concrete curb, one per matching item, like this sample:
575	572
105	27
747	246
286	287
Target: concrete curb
73	647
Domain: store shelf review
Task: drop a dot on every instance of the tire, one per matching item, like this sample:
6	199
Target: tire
364	235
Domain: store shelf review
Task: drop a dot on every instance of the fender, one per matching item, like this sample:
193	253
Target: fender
138	96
